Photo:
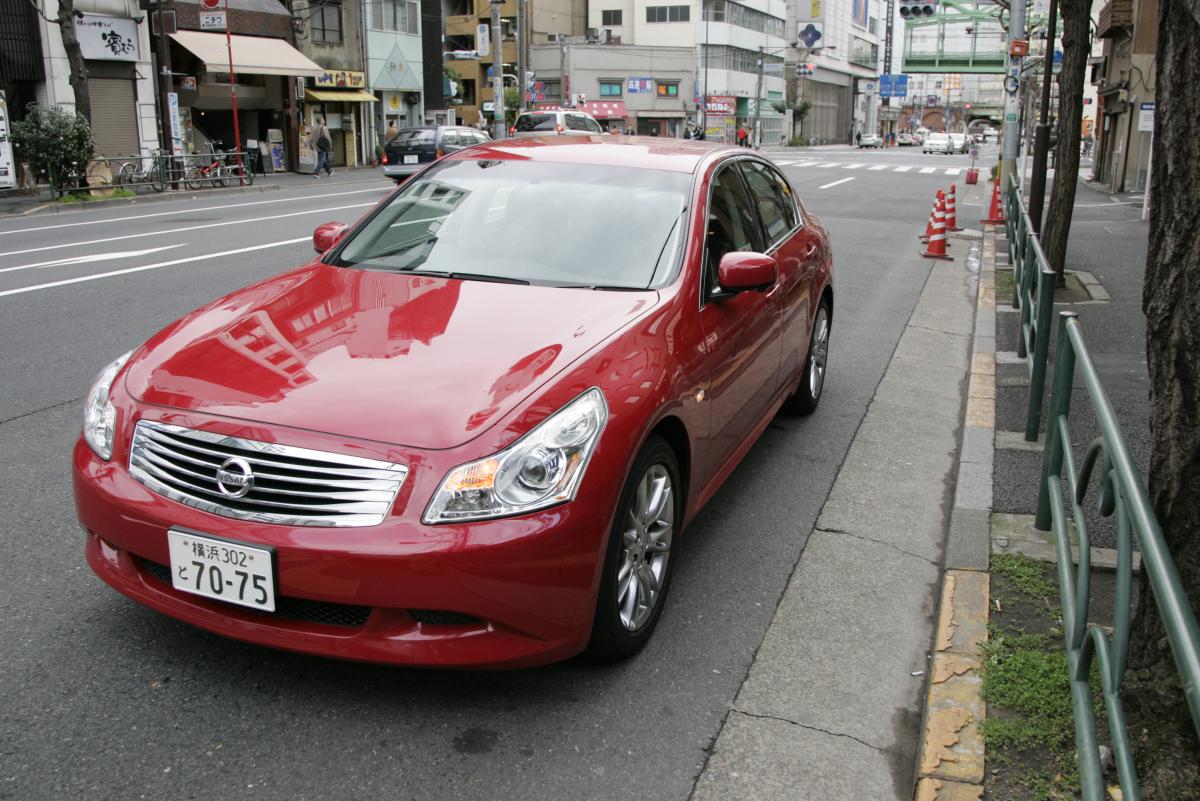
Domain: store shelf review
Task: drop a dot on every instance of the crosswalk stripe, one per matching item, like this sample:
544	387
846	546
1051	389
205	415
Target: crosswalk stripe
828	164
953	171
785	163
853	166
902	169
876	167
928	170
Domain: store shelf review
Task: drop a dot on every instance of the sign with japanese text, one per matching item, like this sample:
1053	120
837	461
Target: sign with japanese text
341	79
176	128
720	105
1145	121
212	20
8	169
483	39
639	86
893	86
107	38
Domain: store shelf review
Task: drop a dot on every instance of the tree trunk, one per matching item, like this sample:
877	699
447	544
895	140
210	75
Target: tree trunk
1159	722
79	75
1076	48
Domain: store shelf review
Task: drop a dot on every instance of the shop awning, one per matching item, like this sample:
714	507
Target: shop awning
606	109
330	96
252	55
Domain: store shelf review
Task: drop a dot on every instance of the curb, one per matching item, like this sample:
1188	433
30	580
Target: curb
951	758
54	207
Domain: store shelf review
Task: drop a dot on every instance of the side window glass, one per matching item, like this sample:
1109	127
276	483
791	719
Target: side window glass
773	199
593	126
576	122
450	140
731	222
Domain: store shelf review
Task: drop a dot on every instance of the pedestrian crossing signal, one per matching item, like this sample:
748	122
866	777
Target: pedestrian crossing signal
916	9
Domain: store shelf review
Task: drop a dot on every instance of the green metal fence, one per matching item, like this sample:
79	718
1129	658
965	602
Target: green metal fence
1120	491
155	172
1033	295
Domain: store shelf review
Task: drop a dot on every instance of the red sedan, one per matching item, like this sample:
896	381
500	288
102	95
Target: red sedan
471	432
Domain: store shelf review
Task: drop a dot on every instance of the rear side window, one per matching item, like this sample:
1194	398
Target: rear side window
451	139
593	126
577	122
535	122
773	197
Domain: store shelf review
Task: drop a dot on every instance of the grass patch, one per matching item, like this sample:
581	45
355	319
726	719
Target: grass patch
1005	282
87	197
1027	574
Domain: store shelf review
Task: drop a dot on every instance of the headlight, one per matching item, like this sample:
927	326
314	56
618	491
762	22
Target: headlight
541	469
99	416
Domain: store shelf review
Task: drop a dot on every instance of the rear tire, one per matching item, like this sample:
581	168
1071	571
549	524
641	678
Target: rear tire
637	560
192	179
812	384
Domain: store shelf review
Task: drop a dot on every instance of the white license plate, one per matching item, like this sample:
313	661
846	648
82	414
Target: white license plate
227	571
410	159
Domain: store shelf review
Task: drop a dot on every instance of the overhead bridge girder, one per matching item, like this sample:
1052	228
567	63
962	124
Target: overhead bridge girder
959	38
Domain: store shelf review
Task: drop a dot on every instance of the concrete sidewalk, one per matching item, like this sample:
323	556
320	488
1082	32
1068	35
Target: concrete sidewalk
41	203
833	705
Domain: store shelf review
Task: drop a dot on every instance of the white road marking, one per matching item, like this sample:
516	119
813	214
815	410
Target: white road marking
902	169
91	257
172	263
835	183
876	167
928	170
186	228
785	163
191	211
853	166
953	170
828	164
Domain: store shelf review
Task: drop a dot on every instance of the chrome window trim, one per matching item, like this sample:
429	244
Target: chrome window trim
360	491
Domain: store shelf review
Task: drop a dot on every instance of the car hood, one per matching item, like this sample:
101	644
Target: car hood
418	361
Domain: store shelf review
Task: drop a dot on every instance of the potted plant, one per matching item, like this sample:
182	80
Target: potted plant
378	155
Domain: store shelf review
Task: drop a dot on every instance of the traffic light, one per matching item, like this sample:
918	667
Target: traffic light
915	9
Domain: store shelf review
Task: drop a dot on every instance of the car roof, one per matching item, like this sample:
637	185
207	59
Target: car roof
648	152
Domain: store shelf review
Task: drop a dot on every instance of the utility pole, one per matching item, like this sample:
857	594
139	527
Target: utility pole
501	124
522	60
237	128
1012	85
762	56
1041	137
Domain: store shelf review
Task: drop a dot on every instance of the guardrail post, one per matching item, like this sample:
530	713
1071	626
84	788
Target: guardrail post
1041	349
1060	407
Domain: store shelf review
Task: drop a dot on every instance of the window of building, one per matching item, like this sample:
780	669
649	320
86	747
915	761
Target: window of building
610	88
326	24
668	13
743	17
738	59
610	17
552	89
668	88
396	15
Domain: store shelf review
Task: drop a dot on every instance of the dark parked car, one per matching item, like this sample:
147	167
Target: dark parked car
413	148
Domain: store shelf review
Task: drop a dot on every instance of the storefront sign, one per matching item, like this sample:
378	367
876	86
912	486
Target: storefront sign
212	20
187	82
720	105
483	44
176	128
341	79
107	38
1145	121
8	169
639	86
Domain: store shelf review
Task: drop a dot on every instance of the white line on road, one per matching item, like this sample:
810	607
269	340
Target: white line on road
187	260
953	171
927	170
187	228
835	183
875	167
191	211
854	166
828	164
91	257
902	169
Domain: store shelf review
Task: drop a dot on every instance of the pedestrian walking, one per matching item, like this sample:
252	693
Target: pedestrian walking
392	133
858	138
743	138
323	144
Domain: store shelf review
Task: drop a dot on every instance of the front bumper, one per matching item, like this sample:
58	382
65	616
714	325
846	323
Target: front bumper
402	170
501	593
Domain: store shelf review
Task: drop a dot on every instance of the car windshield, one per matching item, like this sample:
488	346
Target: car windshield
412	136
938	137
535	122
573	225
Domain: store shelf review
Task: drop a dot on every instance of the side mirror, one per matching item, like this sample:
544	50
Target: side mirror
328	235
743	270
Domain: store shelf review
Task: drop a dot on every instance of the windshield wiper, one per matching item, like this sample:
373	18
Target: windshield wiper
602	287
495	279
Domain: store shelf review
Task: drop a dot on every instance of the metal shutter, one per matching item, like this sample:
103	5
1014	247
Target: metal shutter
114	119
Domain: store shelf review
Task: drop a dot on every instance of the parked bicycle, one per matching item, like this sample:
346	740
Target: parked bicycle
146	171
212	173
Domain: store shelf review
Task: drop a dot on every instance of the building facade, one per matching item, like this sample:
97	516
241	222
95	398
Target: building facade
1124	77
393	62
841	40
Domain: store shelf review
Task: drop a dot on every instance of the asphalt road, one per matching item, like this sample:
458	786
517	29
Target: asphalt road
104	699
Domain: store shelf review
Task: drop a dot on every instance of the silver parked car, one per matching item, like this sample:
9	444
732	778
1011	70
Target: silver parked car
555	122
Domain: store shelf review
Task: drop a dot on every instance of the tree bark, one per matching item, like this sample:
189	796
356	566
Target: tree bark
79	74
1076	48
1171	302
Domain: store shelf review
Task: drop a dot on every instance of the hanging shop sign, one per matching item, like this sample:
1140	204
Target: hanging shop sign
341	79
107	38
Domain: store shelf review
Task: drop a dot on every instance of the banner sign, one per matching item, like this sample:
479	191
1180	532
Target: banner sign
8	168
341	79
720	106
176	128
639	86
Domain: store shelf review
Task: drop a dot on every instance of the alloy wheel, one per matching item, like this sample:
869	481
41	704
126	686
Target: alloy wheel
645	547
820	352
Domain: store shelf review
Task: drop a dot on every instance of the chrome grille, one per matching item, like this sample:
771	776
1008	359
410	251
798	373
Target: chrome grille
290	486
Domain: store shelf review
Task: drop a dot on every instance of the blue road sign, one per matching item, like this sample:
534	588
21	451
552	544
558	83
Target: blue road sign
893	86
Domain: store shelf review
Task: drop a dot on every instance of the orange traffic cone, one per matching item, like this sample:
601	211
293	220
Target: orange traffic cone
951	211
936	249
929	225
995	213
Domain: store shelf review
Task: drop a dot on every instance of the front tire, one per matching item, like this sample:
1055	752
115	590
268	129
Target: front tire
637	561
812	383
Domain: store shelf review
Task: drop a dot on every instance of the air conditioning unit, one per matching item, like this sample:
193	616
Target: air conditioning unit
552	37
593	35
608	36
